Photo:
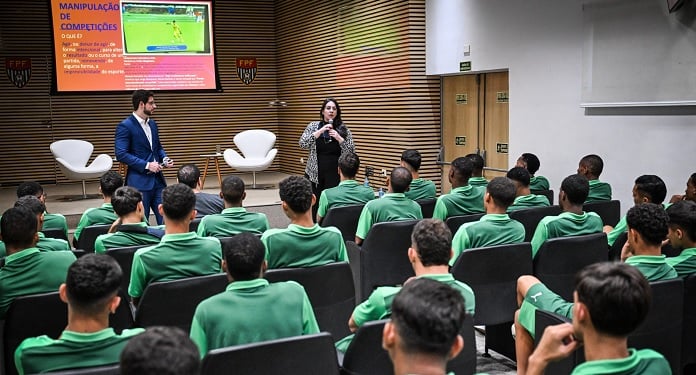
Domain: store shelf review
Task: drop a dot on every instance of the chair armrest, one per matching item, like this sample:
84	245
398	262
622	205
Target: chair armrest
355	260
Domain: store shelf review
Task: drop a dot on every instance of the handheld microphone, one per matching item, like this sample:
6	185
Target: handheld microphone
327	137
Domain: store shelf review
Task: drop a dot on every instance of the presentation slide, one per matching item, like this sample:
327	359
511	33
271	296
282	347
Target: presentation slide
128	45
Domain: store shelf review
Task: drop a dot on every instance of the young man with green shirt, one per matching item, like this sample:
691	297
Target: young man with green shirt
524	198
131	230
51	221
108	183
393	206
348	192
234	218
689	193
181	253
463	199
35	206
477	178
591	167
573	221
250	309
494	228
419	188
531	163
91	292
647	189
430	251
602	322
682	235
27	270
303	243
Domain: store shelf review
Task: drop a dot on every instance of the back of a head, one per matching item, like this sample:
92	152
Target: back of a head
576	187
432	240
109	182
400	179
478	163
532	162
682	214
125	200
31	203
18	226
428	316
296	192
349	164
92	281
462	168
650	220
617	296
652	187
244	255
502	190
162	351
232	189
593	163
412	158
519	175
178	201
188	174
29	188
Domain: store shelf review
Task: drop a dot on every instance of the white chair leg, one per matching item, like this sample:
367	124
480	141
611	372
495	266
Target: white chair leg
84	190
253	186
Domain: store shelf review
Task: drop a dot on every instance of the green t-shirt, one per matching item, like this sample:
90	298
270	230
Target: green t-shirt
347	193
653	267
421	189
528	201
72	350
252	311
638	362
126	235
297	246
564	225
44	244
55	221
177	256
599	191
231	221
31	271
391	207
620	227
684	263
478	181
94	216
538	183
490	230
463	200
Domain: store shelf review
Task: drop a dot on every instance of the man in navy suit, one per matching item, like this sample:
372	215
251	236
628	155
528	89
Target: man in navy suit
138	145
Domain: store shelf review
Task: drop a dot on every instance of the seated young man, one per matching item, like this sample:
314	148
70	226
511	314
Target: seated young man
682	235
431	249
108	183
28	270
35	206
206	204
463	199
689	193
423	334
494	228
51	221
160	350
591	167
524	198
647	227
250	309
181	253
234	219
393	206
348	192
531	163
303	243
131	230
91	292
601	324
477	178
573	221
419	188
647	189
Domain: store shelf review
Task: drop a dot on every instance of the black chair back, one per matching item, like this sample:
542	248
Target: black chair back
89	235
564	366
308	354
124	257
559	259
454	222
193	225
58	233
615	249
688	354
531	217
427	207
345	219
547	193
172	303
330	289
609	211
101	370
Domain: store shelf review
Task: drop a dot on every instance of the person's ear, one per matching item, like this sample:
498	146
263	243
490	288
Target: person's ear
113	305
644	199
487	197
388	182
63	293
314	199
284	206
194	212
199	183
457	347
264	267
244	195
140	207
223	265
160	209
388	336
412	255
222	196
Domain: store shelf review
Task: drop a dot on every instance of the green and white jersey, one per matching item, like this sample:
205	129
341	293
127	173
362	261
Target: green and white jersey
528	201
490	230
564	225
599	191
638	362
297	246
126	235
93	216
478	181
654	267
538	183
44	244
463	200
421	189
55	221
347	193
391	207
684	263
232	221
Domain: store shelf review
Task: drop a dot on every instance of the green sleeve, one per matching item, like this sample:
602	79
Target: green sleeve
440	211
460	242
364	223
29	343
323	204
198	336
620	227
541	234
84	222
201	231
99	247
137	279
309	321
342	252
374	308
264	240
266	224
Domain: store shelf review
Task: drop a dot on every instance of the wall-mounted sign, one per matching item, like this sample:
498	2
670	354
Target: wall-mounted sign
501	148
462	98
460	141
502	97
18	70
246	69
465	66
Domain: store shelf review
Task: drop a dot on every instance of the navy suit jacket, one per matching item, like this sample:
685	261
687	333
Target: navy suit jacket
132	147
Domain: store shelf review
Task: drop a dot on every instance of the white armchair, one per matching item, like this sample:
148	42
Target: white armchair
256	145
72	156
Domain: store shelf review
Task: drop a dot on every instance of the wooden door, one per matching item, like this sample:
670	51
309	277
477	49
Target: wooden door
495	129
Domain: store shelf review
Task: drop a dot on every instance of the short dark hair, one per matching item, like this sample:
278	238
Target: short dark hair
92	281
652	187
349	164
502	190
683	214
428	316
141	96
477	160
650	220
593	163
109	182
532	162
31	203
520	175
29	188
412	158
188	174
178	201
125	200
617	296
18	227
576	187
160	350
432	240
232	189
463	168
244	255
296	192
400	178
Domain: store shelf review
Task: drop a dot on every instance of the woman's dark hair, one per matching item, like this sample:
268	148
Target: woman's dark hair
337	121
